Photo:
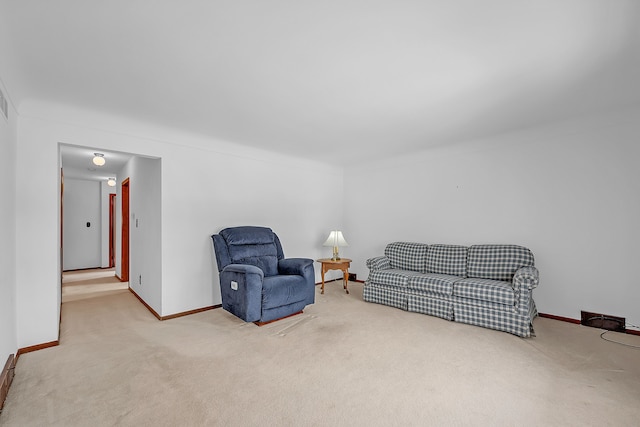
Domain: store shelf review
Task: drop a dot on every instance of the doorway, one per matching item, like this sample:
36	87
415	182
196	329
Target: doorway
125	250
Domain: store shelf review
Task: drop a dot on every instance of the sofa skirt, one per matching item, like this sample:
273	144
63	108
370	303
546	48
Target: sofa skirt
432	306
507	321
385	295
485	314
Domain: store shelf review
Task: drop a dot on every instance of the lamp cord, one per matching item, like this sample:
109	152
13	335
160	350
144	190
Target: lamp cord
617	342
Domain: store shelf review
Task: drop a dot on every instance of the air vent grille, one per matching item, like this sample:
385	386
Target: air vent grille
4	105
603	321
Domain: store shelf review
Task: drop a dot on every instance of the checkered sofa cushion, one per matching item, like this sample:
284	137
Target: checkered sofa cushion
407	256
447	259
392	277
439	284
485	290
484	304
497	262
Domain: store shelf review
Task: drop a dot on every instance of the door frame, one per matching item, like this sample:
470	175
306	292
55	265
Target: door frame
112	230
124	253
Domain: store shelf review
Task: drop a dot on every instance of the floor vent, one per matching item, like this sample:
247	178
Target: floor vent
603	321
4	105
6	377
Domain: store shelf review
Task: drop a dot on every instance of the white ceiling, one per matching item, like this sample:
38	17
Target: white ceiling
77	163
331	79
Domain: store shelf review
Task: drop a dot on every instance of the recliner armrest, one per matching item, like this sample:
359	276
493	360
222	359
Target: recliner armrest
378	263
243	268
294	265
302	267
241	288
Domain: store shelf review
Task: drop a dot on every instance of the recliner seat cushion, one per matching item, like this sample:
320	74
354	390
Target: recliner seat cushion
282	290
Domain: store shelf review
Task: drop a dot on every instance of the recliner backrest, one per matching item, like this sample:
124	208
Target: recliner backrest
257	246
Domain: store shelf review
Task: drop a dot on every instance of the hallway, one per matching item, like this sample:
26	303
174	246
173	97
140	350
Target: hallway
83	284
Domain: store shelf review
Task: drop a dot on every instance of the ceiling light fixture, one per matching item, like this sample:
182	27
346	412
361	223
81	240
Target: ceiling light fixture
98	159
111	182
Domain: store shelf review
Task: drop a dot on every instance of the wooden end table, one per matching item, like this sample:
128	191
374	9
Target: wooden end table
339	264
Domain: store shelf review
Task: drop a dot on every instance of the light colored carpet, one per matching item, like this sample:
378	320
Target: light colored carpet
342	362
83	284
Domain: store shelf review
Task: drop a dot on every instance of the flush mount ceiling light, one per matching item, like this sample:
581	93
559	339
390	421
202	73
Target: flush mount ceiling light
111	182
98	159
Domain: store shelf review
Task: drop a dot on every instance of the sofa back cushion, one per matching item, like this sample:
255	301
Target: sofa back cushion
497	262
407	256
447	259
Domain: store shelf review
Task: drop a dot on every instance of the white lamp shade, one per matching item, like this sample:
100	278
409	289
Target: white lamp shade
335	239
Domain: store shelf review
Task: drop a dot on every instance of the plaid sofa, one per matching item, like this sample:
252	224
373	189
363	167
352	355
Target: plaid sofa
483	285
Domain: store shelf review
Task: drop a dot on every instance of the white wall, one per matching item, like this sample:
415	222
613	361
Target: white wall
145	229
207	185
8	138
211	191
37	249
570	192
82	245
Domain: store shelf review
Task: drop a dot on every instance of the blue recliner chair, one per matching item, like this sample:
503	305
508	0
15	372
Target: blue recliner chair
257	283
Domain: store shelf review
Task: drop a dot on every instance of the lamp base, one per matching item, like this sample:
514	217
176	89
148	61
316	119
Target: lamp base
336	256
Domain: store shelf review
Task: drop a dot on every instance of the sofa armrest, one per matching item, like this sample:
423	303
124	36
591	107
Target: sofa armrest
524	281
526	277
378	263
294	265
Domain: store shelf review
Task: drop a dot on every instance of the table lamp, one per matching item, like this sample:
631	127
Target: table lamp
335	239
